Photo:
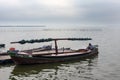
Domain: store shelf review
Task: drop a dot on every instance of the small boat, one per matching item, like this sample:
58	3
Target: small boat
50	56
5	59
2	45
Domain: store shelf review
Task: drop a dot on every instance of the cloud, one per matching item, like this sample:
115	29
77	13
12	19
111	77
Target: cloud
35	9
62	11
103	13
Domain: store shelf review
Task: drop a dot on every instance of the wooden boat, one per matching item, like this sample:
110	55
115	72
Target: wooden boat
2	45
5	59
52	55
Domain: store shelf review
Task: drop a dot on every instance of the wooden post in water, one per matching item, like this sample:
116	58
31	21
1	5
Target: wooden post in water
56	47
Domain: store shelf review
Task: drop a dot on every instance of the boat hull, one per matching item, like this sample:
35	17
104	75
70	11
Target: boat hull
50	59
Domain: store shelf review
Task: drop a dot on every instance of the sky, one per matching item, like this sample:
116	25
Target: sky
72	12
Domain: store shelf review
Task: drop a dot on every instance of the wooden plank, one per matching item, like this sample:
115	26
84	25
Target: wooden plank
4	57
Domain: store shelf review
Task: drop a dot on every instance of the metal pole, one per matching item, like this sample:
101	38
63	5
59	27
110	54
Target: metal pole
56	48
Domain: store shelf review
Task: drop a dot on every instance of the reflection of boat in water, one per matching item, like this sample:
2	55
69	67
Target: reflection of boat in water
52	55
32	69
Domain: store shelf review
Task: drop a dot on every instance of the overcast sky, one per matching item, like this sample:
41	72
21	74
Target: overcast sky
83	12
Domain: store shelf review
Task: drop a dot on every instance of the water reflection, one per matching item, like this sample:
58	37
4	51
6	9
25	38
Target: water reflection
74	70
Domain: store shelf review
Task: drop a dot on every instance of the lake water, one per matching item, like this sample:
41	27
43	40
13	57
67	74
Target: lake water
105	66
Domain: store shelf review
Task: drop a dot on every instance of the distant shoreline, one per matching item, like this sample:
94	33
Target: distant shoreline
22	26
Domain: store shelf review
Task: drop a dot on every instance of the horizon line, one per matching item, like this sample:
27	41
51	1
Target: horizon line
22	26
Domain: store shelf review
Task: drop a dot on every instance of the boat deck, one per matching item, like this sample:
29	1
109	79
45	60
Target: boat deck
4	57
47	52
69	53
60	52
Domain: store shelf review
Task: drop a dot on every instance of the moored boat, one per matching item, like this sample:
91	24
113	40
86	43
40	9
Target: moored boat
2	45
52	55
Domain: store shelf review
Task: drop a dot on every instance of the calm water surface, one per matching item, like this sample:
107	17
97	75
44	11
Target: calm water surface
105	66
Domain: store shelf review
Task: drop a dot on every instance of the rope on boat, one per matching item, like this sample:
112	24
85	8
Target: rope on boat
35	41
49	39
79	38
